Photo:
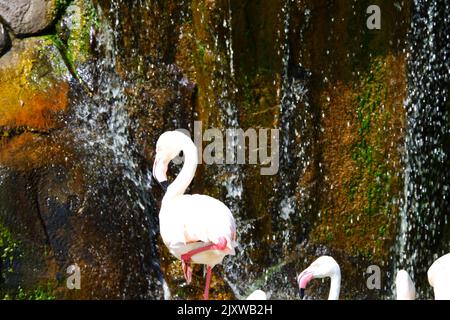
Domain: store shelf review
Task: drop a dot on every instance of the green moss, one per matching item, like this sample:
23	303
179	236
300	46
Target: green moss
80	17
61	4
199	56
373	175
201	53
51	54
10	255
9	252
79	41
39	293
362	216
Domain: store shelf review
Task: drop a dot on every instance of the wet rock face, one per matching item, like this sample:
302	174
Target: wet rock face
57	207
28	16
37	65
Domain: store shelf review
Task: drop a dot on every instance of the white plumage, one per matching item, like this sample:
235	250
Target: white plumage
404	286
187	222
257	295
439	277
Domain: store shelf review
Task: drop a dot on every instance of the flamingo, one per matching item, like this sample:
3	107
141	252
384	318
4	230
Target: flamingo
195	228
322	267
404	286
257	295
439	277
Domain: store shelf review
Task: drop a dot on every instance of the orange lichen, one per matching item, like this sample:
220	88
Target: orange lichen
27	151
30	108
33	89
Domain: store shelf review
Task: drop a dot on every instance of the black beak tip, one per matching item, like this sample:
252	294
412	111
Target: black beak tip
163	184
302	293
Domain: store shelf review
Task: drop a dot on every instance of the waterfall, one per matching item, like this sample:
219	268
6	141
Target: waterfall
295	123
233	173
101	126
424	210
230	119
295	128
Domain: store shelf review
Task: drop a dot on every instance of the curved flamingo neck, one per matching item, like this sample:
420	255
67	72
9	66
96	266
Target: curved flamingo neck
335	286
184	178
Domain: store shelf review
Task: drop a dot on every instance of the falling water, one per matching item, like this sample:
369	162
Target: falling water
102	121
233	173
233	183
101	126
425	209
295	125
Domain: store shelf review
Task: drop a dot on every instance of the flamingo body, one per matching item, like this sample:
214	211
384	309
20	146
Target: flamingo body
257	295
439	277
189	222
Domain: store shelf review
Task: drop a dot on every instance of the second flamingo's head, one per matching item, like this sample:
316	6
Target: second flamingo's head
323	267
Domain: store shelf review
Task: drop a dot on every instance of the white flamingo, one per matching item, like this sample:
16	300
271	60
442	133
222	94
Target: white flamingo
439	277
195	228
322	267
404	286
257	295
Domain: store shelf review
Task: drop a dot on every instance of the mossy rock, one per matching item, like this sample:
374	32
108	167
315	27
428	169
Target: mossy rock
75	30
34	82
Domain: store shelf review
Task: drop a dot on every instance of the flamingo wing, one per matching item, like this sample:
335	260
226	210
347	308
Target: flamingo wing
197	218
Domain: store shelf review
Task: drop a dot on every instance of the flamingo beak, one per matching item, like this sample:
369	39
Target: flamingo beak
159	173
303	279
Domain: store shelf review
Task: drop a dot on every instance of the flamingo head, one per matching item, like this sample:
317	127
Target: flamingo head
438	277
167	148
322	267
404	286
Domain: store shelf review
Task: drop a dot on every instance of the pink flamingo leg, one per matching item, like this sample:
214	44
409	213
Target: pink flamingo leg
187	270
186	259
208	281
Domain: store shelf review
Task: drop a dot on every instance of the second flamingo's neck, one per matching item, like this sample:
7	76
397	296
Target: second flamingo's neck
335	286
184	178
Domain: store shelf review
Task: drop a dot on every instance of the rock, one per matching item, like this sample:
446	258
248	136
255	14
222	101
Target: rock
4	40
74	30
57	207
34	86
28	16
34	82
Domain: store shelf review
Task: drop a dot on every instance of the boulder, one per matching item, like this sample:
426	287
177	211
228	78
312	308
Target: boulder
34	82
28	16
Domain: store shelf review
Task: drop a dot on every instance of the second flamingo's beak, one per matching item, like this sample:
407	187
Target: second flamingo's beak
303	279
159	173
